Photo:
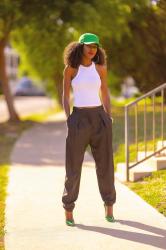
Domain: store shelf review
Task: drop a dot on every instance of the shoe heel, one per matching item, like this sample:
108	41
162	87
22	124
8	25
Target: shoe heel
109	218
70	223
69	219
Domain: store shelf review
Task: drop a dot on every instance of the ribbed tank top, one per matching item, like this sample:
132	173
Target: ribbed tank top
86	85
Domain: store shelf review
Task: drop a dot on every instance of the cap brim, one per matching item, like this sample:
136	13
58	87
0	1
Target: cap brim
92	42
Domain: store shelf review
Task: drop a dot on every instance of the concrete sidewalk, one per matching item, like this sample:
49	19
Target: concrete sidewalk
34	214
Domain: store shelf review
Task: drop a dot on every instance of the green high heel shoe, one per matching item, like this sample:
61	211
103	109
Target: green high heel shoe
109	218
70	223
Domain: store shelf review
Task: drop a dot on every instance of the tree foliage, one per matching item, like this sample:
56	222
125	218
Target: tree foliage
44	47
16	14
131	32
142	51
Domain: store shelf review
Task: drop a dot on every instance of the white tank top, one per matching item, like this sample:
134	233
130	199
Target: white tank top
86	85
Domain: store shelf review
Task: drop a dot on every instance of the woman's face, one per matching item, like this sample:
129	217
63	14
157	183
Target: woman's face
90	50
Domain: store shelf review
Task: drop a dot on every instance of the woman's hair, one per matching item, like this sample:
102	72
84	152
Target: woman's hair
74	51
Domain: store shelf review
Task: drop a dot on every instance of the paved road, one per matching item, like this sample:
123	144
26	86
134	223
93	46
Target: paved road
34	213
26	106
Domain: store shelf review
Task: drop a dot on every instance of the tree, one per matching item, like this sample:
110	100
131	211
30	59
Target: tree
142	52
14	14
128	30
5	28
43	48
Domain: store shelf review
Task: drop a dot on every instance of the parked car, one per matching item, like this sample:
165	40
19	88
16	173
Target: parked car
26	88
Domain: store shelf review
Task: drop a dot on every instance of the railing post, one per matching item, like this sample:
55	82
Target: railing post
126	144
162	117
154	124
152	94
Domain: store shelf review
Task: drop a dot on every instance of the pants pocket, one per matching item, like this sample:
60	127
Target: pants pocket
106	119
67	121
72	121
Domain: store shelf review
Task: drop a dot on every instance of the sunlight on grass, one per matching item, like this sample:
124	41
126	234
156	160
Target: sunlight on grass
121	102
42	116
3	184
153	190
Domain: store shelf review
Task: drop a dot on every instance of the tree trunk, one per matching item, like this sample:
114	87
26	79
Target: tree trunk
5	86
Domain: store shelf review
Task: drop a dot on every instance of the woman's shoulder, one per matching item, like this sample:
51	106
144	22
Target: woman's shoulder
69	70
102	69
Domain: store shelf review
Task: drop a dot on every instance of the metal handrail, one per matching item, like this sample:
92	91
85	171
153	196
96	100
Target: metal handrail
154	91
134	104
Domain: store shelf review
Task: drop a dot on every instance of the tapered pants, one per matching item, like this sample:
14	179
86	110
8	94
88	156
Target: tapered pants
89	126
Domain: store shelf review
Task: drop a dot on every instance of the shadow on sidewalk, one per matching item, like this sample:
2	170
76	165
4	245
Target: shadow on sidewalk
42	145
158	240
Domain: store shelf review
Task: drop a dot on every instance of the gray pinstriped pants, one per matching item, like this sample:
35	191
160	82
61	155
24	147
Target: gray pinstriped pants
91	126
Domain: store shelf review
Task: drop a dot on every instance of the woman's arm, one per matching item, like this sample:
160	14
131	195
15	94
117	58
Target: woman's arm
66	89
104	89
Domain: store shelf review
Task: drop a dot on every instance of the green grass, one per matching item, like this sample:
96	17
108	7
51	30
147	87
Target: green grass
153	190
42	116
120	152
122	102
119	126
3	184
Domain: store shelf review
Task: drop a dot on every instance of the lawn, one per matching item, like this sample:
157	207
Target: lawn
153	190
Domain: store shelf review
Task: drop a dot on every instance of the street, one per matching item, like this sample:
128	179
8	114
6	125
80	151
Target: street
26	106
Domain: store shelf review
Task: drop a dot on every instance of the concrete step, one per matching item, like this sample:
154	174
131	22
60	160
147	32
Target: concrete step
120	173
120	177
140	171
156	163
145	168
136	173
141	154
160	145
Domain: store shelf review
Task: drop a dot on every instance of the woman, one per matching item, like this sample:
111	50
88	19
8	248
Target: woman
89	123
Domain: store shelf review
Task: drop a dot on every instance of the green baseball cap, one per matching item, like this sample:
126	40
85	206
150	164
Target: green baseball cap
88	38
